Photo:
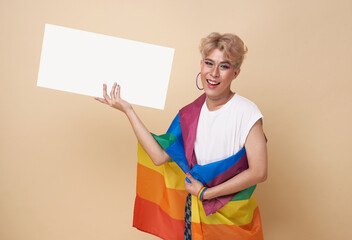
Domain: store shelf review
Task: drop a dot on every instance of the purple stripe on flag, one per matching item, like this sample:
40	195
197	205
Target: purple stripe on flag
189	116
241	165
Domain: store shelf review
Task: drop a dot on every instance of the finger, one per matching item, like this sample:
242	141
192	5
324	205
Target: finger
105	94
98	98
102	100
118	91
112	93
189	178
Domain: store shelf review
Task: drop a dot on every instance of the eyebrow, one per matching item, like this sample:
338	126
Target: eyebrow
208	59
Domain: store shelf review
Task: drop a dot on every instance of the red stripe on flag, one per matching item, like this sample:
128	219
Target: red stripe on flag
149	217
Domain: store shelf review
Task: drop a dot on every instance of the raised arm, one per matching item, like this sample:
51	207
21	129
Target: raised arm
256	173
149	144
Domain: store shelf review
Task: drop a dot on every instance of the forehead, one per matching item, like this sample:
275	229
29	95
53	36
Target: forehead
216	55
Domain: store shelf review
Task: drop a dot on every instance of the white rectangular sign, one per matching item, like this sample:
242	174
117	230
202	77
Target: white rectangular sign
80	62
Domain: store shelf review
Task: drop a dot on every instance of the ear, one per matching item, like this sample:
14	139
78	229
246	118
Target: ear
237	72
201	61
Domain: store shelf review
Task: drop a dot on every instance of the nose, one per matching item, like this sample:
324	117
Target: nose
215	72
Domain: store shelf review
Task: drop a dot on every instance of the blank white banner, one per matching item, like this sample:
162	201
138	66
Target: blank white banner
80	62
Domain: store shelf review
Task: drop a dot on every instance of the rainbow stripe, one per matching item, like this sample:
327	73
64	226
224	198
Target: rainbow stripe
161	195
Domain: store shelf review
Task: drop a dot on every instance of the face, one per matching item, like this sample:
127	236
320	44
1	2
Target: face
217	74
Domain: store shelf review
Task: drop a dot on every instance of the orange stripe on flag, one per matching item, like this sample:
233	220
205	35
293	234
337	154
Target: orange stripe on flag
251	231
196	231
151	186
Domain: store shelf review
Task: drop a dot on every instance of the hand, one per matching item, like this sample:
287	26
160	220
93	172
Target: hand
114	100
193	187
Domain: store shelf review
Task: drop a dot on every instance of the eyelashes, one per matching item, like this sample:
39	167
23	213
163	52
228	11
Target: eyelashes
222	66
208	63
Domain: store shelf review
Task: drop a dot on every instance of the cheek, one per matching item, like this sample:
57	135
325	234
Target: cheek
228	76
203	73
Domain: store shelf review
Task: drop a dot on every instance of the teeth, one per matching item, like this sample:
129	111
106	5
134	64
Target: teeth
213	82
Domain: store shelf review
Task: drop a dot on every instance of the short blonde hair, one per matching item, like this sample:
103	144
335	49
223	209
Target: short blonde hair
231	45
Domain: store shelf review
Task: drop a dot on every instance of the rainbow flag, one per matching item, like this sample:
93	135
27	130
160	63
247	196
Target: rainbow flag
161	195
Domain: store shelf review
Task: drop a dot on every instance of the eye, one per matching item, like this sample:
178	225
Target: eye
210	64
224	66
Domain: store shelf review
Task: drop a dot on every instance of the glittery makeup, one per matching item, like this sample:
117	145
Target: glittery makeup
222	66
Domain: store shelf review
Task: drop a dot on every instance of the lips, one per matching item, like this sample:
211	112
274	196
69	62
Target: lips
213	83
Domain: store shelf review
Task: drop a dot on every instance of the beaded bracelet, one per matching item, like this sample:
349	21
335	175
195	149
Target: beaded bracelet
201	192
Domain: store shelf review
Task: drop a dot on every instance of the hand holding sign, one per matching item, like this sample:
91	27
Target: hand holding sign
114	100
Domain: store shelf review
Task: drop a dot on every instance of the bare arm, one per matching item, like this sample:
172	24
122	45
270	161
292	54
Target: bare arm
256	173
149	144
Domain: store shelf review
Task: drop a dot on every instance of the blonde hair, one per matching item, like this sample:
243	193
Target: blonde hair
231	45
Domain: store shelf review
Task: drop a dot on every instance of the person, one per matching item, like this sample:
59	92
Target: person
226	125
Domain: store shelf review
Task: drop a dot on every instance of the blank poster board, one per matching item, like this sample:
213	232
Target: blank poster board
80	62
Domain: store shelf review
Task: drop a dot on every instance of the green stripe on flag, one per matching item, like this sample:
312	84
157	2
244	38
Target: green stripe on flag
165	140
244	194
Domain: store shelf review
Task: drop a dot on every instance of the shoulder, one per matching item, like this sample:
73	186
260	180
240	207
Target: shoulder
244	104
198	103
194	107
247	114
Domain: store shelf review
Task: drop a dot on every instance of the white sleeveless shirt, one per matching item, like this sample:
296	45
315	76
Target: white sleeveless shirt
223	132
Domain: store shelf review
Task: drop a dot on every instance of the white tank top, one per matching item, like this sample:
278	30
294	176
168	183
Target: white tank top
223	132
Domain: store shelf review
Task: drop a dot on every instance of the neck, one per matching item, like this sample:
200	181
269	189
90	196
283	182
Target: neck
216	103
217	99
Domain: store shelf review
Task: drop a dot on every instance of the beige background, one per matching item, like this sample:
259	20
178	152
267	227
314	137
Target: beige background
68	163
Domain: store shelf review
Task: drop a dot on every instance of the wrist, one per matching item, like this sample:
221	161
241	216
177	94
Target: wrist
201	193
129	112
207	194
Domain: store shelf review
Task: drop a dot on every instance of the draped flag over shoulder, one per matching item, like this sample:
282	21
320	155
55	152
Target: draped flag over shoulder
161	195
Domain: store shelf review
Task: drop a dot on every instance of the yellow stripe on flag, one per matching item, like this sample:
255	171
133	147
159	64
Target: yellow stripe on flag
233	213
175	176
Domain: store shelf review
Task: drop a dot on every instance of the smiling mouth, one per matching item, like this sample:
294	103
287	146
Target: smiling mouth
213	83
